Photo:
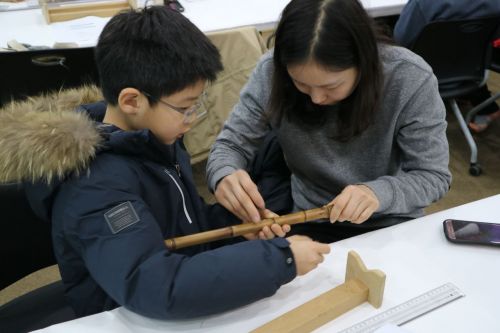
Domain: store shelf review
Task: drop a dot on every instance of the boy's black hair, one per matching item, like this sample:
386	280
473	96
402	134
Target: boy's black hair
337	35
155	50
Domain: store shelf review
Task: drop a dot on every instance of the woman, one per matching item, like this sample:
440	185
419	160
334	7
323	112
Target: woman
360	122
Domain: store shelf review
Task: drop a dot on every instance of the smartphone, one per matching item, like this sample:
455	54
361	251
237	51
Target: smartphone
472	232
174	5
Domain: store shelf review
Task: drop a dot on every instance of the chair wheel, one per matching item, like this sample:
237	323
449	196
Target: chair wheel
475	170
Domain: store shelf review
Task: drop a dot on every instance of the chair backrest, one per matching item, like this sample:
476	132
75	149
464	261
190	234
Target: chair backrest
25	241
457	50
495	58
29	73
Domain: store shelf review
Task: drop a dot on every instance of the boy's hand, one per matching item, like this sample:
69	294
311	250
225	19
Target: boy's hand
239	194
356	203
307	253
269	232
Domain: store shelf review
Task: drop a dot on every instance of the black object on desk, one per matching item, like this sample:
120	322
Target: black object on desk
174	4
30	73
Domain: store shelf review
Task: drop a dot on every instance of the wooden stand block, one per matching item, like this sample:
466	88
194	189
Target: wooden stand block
65	11
360	285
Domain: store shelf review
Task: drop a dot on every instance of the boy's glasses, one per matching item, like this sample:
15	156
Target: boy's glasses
196	111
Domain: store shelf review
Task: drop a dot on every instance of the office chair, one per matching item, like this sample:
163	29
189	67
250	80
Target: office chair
25	247
495	59
29	73
459	53
494	66
26	243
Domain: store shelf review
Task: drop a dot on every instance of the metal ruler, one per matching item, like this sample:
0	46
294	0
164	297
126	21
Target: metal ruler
409	310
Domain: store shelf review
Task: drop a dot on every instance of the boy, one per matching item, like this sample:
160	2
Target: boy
129	185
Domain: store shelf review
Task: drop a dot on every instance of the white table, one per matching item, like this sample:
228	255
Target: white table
415	256
29	26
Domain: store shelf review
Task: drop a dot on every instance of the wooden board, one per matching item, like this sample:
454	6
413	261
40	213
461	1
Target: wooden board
361	285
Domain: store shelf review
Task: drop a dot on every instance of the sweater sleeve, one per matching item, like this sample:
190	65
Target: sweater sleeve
424	176
245	128
121	245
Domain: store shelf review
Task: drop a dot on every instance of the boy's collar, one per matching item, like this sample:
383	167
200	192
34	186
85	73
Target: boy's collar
141	144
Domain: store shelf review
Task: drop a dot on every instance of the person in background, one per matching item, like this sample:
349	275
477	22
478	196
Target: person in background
416	14
360	122
116	186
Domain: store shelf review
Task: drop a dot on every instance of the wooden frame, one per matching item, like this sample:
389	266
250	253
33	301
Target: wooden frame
360	285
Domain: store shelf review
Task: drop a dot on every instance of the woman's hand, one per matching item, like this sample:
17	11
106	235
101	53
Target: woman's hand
269	232
356	203
239	194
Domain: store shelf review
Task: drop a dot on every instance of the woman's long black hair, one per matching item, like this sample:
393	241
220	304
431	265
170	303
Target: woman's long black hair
336	35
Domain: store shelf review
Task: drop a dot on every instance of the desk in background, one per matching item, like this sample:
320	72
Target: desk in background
415	257
29	26
24	74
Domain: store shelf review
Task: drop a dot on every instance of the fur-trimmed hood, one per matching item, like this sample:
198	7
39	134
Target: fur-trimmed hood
43	139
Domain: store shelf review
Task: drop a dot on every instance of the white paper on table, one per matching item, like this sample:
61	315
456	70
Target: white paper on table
28	4
83	31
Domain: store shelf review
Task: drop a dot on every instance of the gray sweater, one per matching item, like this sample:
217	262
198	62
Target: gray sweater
403	157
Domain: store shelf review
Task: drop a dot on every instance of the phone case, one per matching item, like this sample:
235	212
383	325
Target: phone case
472	232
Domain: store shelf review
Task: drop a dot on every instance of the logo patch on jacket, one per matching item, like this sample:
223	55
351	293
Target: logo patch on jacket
121	217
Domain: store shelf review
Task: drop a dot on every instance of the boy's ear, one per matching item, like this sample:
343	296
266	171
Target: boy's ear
131	100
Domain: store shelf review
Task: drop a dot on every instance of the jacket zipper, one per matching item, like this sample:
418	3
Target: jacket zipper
178	169
182	195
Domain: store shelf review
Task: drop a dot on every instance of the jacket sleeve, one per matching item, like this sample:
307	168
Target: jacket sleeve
128	259
424	176
409	25
245	128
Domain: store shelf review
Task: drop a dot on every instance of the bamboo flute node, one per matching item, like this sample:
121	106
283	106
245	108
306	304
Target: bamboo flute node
245	228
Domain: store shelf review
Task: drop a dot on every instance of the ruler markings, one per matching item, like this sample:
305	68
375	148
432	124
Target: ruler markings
409	310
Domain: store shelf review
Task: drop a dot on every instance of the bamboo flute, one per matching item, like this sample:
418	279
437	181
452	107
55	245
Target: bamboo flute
245	228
